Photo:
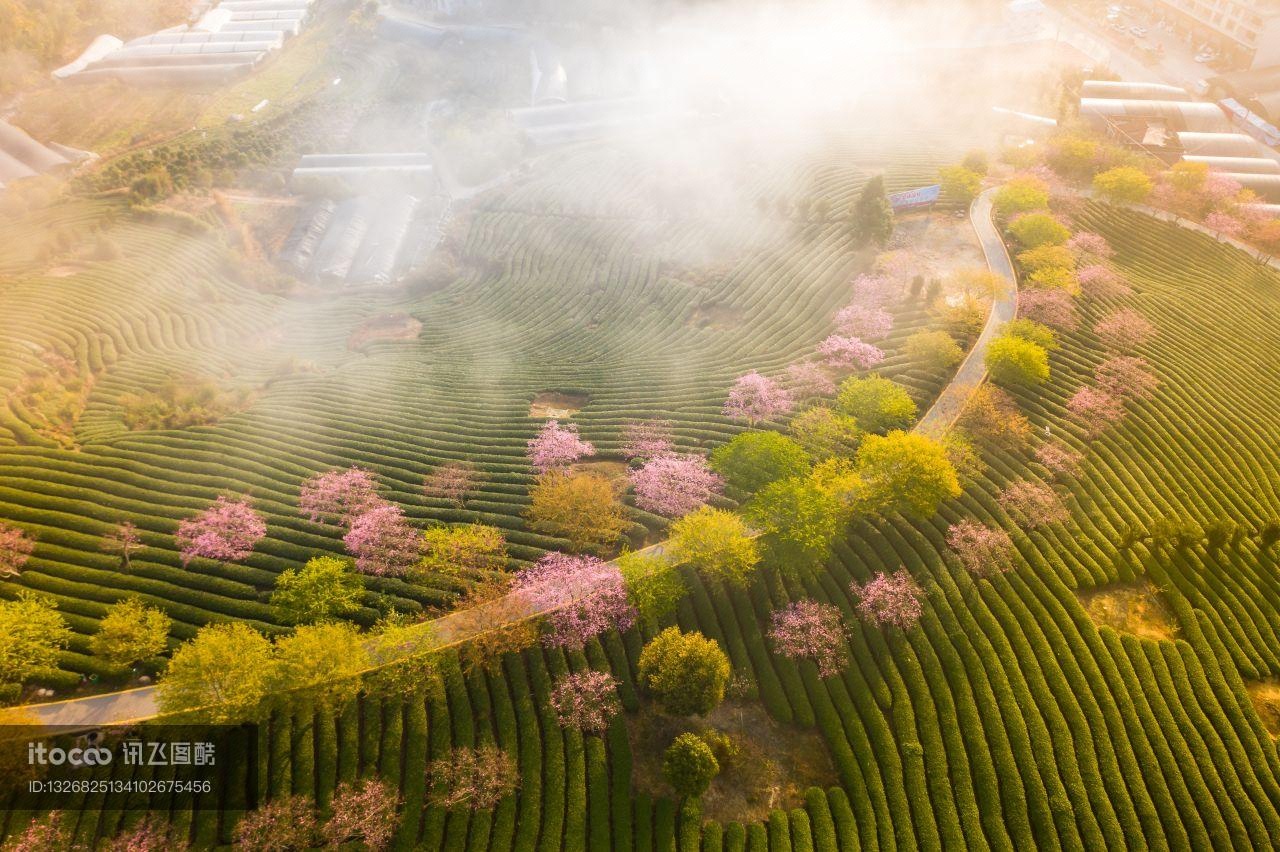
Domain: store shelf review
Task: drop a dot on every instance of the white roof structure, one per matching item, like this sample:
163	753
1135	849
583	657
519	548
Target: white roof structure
1219	144
228	40
1132	91
1247	165
23	157
1178	115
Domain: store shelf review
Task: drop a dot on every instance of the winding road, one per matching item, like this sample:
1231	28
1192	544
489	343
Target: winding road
139	704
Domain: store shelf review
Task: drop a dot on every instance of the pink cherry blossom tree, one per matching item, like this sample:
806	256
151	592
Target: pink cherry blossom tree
875	291
556	447
844	352
809	378
984	551
755	397
1124	330
646	439
227	531
1060	459
453	481
583	596
337	496
893	599
1054	308
1126	377
585	701
1033	504
16	548
1088	245
674	485
1101	282
364	812
383	541
808	630
1224	223
1095	410
149	835
49	833
123	539
287	822
476	778
1219	192
867	322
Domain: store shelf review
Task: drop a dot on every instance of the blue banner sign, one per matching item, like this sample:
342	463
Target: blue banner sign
921	197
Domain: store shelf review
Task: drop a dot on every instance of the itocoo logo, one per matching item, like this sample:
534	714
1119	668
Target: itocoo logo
42	755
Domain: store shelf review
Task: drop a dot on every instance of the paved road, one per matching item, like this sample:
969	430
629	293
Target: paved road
139	704
973	370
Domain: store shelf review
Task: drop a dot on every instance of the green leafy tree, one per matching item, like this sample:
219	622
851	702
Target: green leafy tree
877	404
716	544
1013	360
322	662
1123	184
687	672
751	460
689	765
129	632
872	214
464	549
799	520
32	632
222	676
960	184
1072	157
654	585
824	433
1039	229
326	587
934	350
905	472
1021	195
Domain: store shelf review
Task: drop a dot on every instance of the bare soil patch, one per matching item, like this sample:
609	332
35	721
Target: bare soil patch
552	404
715	315
1265	695
387	327
774	763
940	243
65	271
1135	608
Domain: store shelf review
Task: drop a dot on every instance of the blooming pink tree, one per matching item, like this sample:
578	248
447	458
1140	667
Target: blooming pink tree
15	549
476	778
586	701
1101	282
1124	330
1224	223
647	439
148	835
984	551
1126	377
227	531
583	596
556	447
364	813
755	397
382	541
674	485
876	290
337	496
1088	245
867	322
809	378
808	630
452	481
1095	410
1033	504
1054	308
1219	192
283	823
895	599
49	833
1059	458
846	352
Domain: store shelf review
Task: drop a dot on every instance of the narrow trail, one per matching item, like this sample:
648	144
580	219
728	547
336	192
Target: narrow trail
456	628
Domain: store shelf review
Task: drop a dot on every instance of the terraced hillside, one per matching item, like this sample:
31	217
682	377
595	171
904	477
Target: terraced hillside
1007	719
647	313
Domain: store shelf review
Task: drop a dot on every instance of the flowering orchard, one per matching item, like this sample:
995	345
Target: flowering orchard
227	532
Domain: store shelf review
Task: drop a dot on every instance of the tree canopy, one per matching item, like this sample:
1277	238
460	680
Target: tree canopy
905	472
687	672
326	587
751	460
876	403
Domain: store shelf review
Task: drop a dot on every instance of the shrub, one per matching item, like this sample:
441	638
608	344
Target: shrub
752	460
689	765
1123	184
687	672
876	403
1013	360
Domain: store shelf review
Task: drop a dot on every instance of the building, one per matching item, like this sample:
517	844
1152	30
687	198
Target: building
1246	33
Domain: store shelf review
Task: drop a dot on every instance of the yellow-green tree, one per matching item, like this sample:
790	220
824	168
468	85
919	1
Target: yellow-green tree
716	544
222	676
326	587
130	632
579	507
905	472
